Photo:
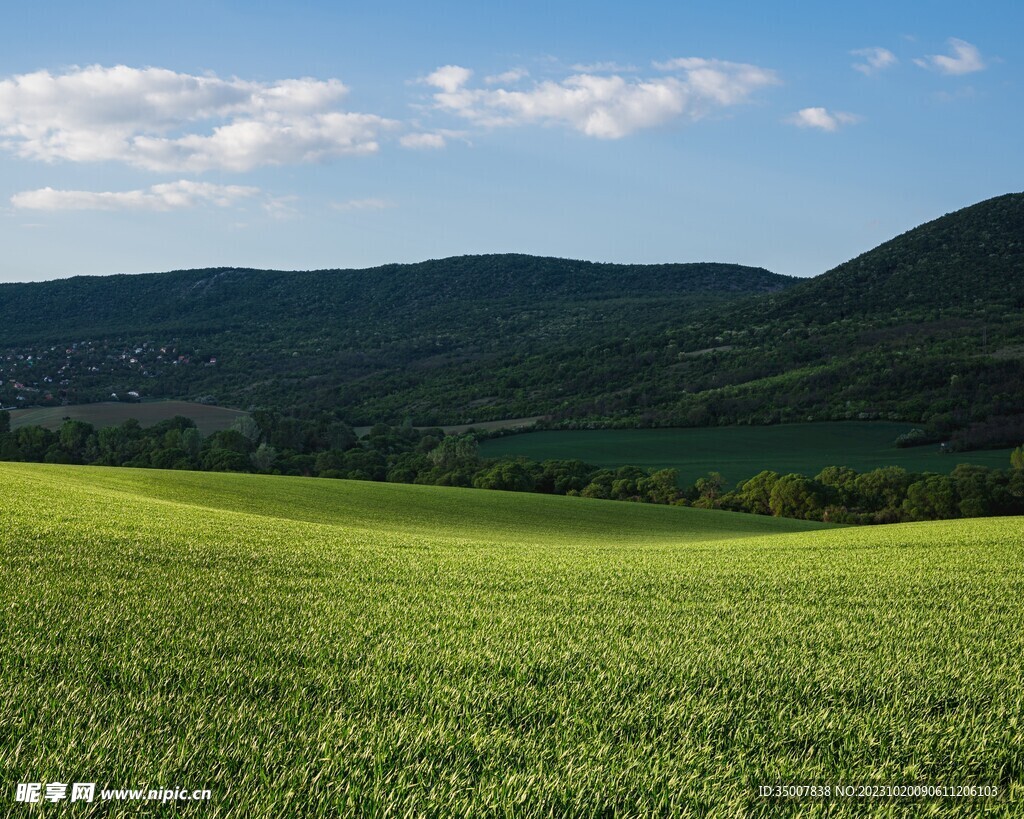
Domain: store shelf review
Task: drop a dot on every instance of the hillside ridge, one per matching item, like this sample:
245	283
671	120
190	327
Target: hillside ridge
926	324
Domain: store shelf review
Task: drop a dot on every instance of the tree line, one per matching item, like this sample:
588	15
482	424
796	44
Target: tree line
323	446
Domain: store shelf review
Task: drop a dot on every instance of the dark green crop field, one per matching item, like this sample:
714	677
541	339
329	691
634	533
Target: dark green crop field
741	452
209	419
333	648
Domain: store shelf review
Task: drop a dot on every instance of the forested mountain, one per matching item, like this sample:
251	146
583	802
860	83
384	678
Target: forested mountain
348	339
380	301
929	325
926	327
963	263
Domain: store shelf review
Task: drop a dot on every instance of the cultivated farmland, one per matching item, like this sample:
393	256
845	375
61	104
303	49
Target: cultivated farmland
326	648
741	452
209	419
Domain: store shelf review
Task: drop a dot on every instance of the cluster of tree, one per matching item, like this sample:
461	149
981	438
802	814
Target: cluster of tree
282	444
887	495
996	432
322	446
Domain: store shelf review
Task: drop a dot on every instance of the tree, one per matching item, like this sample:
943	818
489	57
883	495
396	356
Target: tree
263	458
1015	489
230	439
626	485
290	433
335	435
407	467
796	496
660	487
561	477
976	490
454	451
170	458
709	488
226	460
931	498
1016	457
511	476
364	465
333	460
74	437
32	442
192	442
115	445
839	483
600	485
248	428
755	494
881	489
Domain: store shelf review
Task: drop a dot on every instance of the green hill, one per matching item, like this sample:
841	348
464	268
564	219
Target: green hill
453	330
331	648
967	261
924	328
382	299
398	509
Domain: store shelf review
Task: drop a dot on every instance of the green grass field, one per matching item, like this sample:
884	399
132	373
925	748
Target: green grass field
741	452
320	648
209	419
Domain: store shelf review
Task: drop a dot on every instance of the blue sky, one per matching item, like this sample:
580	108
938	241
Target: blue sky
137	137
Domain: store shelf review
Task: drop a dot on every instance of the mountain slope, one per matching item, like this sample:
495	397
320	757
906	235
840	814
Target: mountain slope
924	328
344	337
928	323
201	301
964	260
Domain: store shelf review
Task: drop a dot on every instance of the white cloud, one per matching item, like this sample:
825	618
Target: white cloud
966	59
168	196
422	140
281	207
822	119
161	120
608	107
507	77
363	204
720	81
876	59
449	78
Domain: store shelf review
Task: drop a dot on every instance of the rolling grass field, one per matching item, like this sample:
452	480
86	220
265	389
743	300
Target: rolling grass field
320	648
209	419
741	452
